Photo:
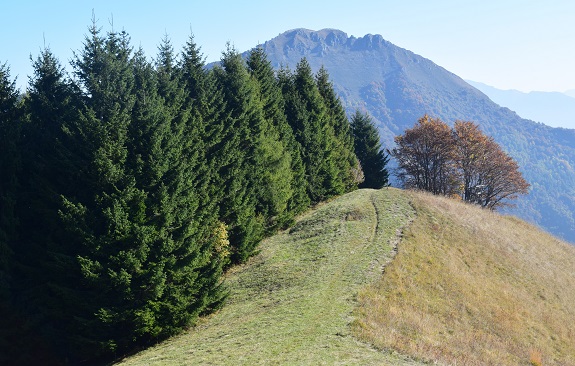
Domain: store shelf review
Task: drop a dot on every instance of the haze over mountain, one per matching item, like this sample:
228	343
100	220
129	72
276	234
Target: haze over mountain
397	86
554	109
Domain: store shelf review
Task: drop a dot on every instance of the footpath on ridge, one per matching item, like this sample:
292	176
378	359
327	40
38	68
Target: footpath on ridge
293	303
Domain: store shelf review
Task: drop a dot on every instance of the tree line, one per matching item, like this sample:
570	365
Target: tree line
127	188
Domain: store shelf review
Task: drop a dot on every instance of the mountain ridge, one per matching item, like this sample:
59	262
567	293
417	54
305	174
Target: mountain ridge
396	87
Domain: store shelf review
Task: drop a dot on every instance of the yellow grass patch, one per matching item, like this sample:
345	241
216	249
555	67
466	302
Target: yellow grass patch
472	287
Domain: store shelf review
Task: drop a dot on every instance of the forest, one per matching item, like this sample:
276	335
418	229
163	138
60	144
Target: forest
130	185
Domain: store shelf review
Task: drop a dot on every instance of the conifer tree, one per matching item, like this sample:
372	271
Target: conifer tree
242	169
208	108
107	221
50	154
206	101
146	244
195	78
300	199
49	171
369	151
279	181
343	146
308	117
9	164
194	280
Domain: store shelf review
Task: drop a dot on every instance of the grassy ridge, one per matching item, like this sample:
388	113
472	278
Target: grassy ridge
467	287
293	303
471	287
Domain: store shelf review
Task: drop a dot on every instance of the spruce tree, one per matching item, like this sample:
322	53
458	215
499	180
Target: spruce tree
241	168
50	157
9	164
300	199
308	117
343	139
49	172
147	244
182	199
107	221
279	181
208	110
208	107
369	151
195	78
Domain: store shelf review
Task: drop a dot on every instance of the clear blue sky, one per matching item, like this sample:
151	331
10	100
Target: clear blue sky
510	44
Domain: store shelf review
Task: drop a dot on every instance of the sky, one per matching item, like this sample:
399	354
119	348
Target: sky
524	45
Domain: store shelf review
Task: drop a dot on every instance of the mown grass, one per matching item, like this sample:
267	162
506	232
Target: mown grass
292	304
471	287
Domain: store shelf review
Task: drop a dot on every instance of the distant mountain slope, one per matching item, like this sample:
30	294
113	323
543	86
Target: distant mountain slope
551	108
396	87
467	286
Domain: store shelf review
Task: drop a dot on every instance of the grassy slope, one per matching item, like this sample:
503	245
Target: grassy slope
467	287
292	304
470	287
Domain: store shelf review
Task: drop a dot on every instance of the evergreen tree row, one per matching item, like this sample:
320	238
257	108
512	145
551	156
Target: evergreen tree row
128	188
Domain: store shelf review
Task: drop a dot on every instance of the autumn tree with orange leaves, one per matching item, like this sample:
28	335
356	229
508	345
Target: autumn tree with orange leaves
490	177
425	155
460	161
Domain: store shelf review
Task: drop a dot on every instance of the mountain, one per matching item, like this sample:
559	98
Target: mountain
551	108
465	287
397	86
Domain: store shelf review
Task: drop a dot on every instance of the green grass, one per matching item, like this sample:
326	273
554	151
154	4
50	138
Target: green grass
293	303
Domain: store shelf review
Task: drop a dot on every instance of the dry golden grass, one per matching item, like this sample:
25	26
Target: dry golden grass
472	287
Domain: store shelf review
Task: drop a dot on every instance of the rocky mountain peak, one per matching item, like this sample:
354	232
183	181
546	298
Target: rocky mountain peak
306	41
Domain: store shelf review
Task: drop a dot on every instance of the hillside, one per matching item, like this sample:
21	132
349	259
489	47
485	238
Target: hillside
292	303
472	287
551	108
466	286
397	86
